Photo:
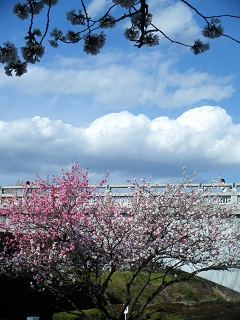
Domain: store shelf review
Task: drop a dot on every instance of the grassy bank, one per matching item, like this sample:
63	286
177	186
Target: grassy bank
197	299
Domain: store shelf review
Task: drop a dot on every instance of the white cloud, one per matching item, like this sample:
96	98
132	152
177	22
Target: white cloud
80	88
176	21
201	138
97	7
206	119
102	80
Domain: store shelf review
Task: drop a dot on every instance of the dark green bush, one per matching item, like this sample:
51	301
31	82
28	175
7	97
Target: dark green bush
90	314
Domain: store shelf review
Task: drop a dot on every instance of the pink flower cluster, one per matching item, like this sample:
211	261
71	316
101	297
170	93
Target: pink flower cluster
65	226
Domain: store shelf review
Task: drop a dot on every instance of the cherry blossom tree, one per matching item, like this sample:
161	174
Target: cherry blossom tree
67	235
141	30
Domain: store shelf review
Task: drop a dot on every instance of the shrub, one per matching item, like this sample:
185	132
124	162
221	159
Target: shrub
91	314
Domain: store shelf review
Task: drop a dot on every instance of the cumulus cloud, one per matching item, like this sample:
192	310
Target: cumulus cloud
121	142
80	88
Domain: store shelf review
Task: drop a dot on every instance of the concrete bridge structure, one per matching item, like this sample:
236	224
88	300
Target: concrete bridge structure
229	279
228	198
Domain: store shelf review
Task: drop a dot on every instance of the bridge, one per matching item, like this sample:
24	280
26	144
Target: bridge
228	198
229	279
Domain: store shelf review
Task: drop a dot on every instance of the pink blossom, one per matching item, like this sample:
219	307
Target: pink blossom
67	230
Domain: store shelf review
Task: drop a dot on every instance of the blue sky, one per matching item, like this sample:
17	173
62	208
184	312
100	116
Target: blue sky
134	112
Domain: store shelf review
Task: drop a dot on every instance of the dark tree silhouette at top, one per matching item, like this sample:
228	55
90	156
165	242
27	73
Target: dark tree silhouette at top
142	32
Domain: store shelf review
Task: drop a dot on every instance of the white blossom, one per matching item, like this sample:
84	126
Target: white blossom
199	47
32	52
131	34
212	30
8	53
151	39
94	42
21	11
72	36
137	20
107	22
76	18
56	33
36	7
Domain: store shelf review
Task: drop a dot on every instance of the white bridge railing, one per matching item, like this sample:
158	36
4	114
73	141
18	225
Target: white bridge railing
122	192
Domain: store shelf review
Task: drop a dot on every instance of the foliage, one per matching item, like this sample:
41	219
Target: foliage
68	235
141	29
91	314
66	316
199	311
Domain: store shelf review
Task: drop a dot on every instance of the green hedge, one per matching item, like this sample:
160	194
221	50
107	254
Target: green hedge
94	314
91	314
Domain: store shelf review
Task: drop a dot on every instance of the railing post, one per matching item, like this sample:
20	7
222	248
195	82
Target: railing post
108	188
234	197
